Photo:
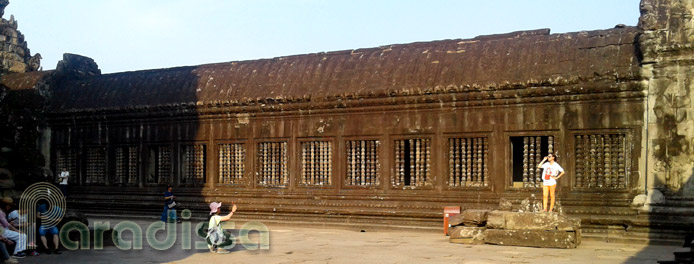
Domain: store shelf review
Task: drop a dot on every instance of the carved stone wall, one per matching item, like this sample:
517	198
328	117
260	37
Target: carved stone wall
667	46
14	53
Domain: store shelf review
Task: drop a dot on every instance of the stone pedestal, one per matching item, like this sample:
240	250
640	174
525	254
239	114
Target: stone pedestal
546	230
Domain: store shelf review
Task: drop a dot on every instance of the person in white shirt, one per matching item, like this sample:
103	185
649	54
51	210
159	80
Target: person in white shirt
215	233
550	173
63	178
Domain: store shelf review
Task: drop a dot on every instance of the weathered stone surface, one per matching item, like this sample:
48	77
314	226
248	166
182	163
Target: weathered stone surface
496	219
540	221
469	217
533	238
456	220
76	66
596	88
505	204
474	217
531	221
467	235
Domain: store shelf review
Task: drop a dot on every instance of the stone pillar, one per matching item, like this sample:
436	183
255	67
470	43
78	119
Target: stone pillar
667	47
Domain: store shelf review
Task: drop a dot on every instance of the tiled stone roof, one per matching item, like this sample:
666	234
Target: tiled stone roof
505	61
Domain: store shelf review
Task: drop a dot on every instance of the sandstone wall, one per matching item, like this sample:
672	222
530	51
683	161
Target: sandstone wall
667	47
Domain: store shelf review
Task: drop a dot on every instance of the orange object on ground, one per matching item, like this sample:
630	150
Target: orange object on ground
449	211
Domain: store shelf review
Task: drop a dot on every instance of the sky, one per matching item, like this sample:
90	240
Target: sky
129	35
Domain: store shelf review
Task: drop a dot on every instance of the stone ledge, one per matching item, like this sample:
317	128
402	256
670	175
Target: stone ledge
533	238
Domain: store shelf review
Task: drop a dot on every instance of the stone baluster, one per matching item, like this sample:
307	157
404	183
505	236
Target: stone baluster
238	157
276	163
361	158
526	175
538	158
608	161
593	162
463	160
285	160
304	163
357	171
413	160
322	180
323	163
234	164
485	179
427	162
330	163
451	162
373	161
398	158
586	161
615	160
403	152
622	162
600	179
267	176
475	167
480	146
350	166
240	165
222	162
468	161
579	160
313	163
532	171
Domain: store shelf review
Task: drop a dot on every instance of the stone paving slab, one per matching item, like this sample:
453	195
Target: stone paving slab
301	244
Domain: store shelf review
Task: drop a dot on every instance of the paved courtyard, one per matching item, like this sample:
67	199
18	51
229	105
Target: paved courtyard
302	244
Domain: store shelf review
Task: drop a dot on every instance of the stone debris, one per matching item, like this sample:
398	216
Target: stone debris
546	230
473	217
468	235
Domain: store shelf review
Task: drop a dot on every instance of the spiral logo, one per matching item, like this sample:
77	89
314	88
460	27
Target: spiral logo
55	210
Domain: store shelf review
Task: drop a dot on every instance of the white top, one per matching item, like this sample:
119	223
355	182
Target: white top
214	221
550	170
64	175
13	218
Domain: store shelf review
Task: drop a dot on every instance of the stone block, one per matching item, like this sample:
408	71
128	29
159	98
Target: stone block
533	238
474	217
456	220
468	241
467	235
540	221
496	219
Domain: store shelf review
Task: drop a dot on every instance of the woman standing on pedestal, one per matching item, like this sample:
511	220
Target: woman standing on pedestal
550	173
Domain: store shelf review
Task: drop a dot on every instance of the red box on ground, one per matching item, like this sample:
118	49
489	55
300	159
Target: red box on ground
449	211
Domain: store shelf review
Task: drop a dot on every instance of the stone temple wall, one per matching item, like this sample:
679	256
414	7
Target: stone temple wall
667	47
14	53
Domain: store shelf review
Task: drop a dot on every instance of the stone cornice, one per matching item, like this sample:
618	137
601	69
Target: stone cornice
499	97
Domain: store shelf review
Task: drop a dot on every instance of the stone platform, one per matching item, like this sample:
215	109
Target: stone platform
545	230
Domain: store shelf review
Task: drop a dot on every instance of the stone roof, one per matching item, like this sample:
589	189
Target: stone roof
506	61
23	81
